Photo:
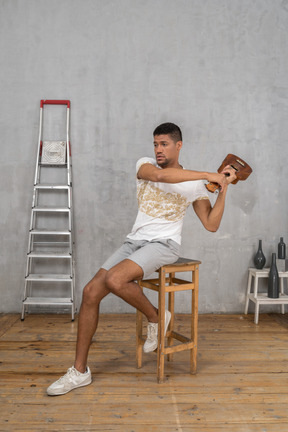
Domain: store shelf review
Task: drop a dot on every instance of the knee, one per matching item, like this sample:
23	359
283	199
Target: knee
88	295
113	283
91	294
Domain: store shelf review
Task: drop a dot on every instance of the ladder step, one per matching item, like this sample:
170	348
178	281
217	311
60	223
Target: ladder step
53	301
49	244
51	186
58	165
51	209
39	254
49	277
49	232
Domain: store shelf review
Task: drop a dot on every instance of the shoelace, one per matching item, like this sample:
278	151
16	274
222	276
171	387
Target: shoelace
70	371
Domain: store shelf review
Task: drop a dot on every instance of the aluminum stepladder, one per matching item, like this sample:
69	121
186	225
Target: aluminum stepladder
51	237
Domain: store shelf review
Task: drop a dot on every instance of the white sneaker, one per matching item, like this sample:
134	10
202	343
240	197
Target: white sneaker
152	334
71	380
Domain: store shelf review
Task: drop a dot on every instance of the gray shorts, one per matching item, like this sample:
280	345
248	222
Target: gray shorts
149	255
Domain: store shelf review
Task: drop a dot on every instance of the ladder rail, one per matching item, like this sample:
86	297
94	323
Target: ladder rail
68	147
36	178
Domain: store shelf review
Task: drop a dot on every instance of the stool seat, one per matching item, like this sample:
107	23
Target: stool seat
182	260
166	282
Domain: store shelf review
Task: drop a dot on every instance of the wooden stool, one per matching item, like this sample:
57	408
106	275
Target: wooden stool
170	284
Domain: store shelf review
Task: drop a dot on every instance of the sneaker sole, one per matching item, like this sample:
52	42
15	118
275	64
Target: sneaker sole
67	391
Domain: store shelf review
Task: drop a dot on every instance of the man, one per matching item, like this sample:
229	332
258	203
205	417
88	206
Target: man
164	191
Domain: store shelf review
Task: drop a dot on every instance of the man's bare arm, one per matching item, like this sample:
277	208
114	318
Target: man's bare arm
211	216
176	175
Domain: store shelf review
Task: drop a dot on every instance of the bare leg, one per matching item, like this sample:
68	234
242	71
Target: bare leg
120	281
93	293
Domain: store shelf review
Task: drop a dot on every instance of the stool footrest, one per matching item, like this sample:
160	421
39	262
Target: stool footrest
150	284
178	348
180	281
180	287
179	337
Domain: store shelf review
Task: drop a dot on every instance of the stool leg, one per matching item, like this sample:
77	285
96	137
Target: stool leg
139	339
171	296
139	336
194	320
161	327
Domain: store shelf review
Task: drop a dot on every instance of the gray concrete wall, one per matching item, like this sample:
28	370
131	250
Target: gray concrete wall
218	68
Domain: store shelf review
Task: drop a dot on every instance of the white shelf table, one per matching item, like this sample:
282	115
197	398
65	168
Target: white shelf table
262	298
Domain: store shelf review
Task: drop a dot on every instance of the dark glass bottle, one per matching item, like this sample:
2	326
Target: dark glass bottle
259	259
273	279
281	249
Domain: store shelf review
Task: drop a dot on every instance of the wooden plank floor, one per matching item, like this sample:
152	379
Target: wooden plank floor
241	384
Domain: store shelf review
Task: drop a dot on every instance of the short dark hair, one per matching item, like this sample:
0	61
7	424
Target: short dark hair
169	129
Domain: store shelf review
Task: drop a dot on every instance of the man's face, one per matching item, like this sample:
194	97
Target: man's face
166	150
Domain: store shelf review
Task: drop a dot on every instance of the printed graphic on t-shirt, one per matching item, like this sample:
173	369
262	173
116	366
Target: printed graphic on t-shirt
157	203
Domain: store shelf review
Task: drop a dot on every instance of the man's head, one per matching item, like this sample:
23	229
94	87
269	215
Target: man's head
170	129
167	144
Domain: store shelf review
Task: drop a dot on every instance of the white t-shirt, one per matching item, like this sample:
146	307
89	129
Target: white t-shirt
162	206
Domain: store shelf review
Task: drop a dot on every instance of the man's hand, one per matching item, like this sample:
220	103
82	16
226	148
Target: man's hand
230	174
227	176
220	179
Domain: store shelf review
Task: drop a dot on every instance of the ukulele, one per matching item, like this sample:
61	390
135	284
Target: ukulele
242	169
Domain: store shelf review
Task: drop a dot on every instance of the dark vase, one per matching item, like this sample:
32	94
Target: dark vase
273	279
281	249
259	259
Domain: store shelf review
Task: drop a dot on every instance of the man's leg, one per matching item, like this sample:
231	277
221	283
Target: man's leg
93	293
120	281
79	375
